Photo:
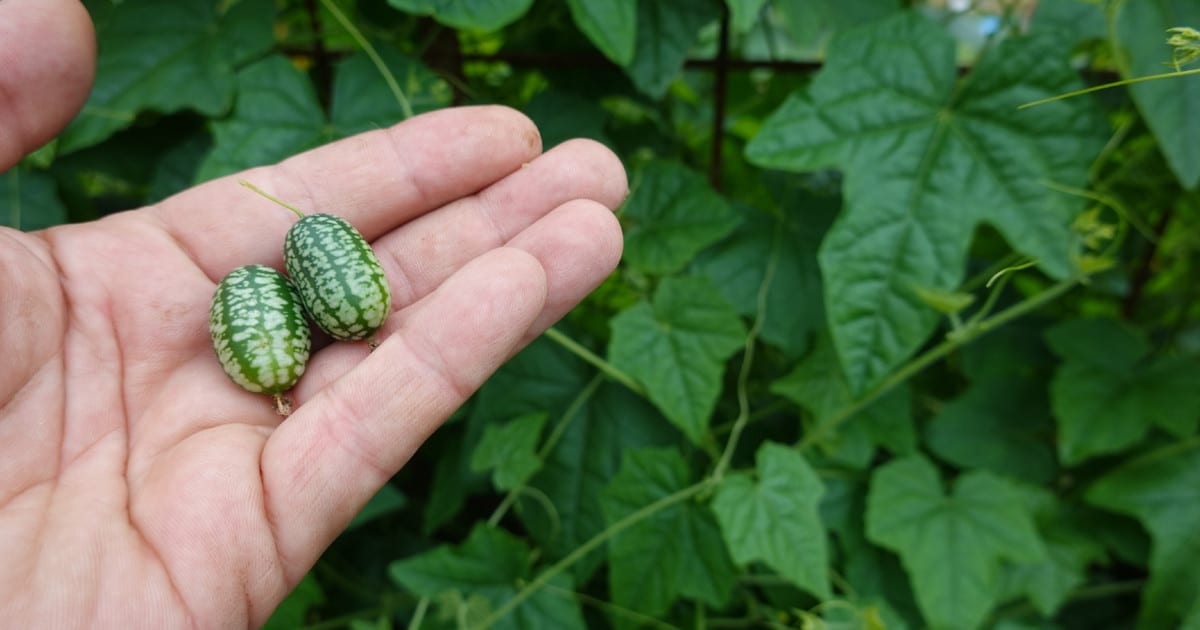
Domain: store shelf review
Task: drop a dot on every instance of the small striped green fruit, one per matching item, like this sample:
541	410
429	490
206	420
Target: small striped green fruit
259	331
338	277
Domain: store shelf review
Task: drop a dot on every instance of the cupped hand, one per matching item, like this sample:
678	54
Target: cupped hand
139	487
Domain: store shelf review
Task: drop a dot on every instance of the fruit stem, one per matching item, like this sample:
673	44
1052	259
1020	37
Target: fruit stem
283	406
271	197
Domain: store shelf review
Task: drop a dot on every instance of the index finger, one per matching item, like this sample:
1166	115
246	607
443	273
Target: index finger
377	180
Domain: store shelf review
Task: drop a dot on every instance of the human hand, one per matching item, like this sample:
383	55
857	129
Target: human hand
138	485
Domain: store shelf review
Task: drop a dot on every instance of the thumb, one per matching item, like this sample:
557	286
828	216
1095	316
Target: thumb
48	52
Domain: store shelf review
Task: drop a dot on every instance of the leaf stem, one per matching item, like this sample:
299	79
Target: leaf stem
405	106
607	368
1097	88
271	197
595	541
966	335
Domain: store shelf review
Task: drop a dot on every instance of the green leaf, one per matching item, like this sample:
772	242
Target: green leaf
277	115
576	470
610	24
744	13
951	545
29	200
1167	105
167	57
666	31
812	22
672	214
362	101
176	169
492	564
677	551
1162	490
928	158
1107	401
510	449
293	610
483	15
775	520
738	264
677	349
999	425
817	384
561	116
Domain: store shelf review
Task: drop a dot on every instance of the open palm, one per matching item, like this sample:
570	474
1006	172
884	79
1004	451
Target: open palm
138	485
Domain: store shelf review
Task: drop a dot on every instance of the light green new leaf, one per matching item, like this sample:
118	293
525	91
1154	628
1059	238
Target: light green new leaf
483	15
671	214
277	115
1167	105
610	24
362	101
29	200
677	551
775	519
817	384
743	13
927	159
666	31
583	460
510	449
1162	490
1107	402
951	545
167	57
491	565
677	347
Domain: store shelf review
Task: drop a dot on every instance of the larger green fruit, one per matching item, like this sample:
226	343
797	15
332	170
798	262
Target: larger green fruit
339	279
258	329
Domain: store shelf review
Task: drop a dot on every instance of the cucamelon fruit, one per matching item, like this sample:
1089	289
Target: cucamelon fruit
340	281
259	332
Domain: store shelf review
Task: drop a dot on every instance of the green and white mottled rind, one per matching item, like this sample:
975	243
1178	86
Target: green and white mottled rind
258	329
339	279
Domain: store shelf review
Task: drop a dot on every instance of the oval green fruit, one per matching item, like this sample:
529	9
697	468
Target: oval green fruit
337	275
258	330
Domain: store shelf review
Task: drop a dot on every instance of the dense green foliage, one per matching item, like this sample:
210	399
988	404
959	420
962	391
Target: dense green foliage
884	351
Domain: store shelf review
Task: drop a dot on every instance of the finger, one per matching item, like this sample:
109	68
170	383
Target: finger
377	180
48	53
577	245
336	450
425	252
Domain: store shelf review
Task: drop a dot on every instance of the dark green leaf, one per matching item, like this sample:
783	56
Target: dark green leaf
677	349
743	13
1162	490
817	384
812	22
677	551
29	200
362	100
672	214
176	169
928	158
386	501
666	31
167	57
293	610
510	449
491	564
1001	425
1106	397
276	116
774	519
483	15
561	116
1140	30
610	24
952	544
584	459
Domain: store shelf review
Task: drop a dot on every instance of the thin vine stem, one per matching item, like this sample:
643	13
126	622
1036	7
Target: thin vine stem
607	368
962	337
1097	88
357	36
592	543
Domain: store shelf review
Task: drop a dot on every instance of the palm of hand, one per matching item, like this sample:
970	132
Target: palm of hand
140	487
